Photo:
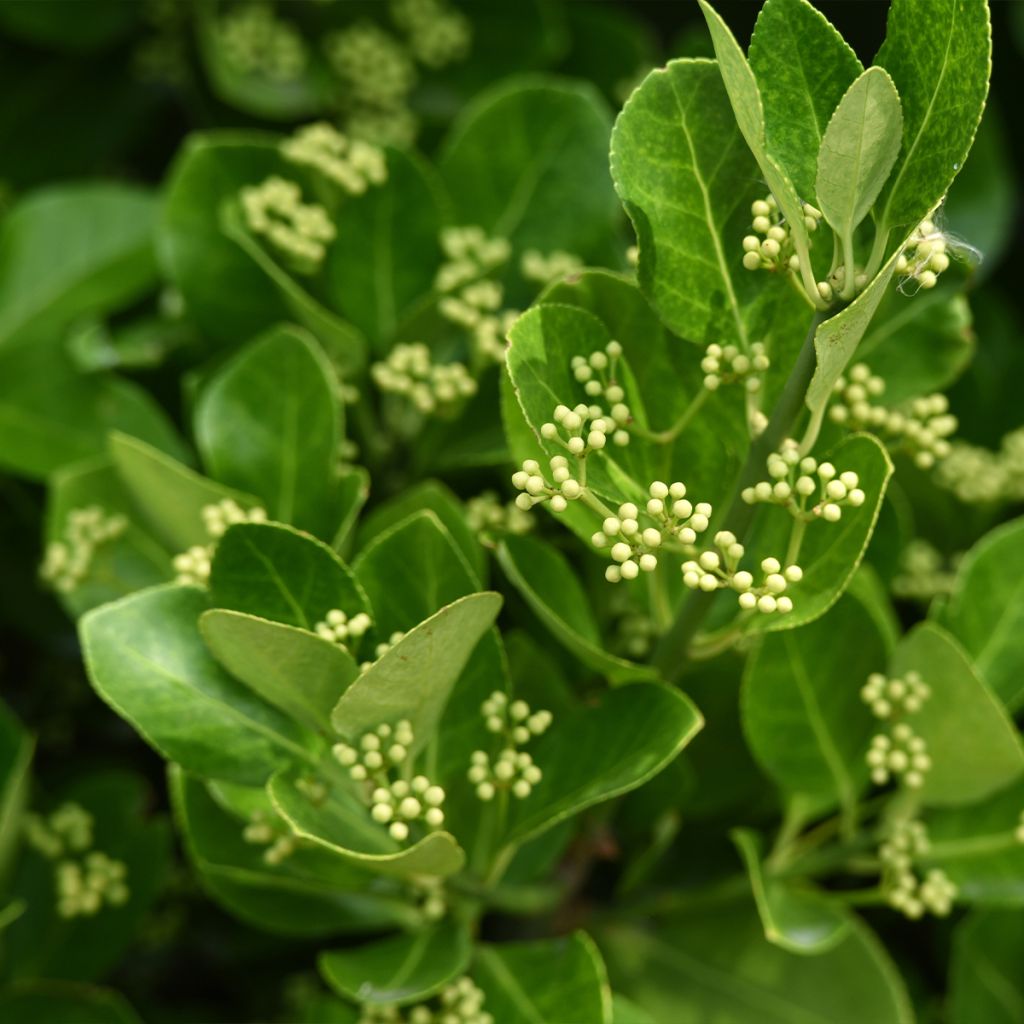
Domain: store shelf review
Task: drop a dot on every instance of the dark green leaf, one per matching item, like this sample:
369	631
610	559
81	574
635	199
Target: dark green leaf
985	982
59	1002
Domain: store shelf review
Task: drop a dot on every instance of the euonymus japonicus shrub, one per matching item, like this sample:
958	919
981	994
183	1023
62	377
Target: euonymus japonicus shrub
516	614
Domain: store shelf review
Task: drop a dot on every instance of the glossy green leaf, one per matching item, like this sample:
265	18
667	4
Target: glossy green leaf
975	748
414	679
269	423
625	1011
353	490
939	54
546	581
341	824
986	610
401	969
169	495
718	966
146	659
985	977
803	67
596	752
296	670
310	893
276	572
798	920
802	713
58	1002
528	161
858	150
687	180
73	250
547	981
388	248
830	552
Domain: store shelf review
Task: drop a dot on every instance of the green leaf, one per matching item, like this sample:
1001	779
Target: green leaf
420	553
978	848
798	920
986	610
547	981
310	893
548	584
388	249
858	150
341	824
975	748
802	713
269	423
414	679
58	1002
297	671
52	415
146	659
985	978
803	66
527	160
718	966
168	494
939	54
831	552
401	969
353	490
16	749
687	180
433	496
625	1011
278	573
597	752
73	250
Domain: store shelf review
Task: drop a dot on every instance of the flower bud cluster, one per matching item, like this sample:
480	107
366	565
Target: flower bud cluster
66	562
489	518
516	723
922	574
192	567
84	887
299	231
598	375
340	629
924	257
374	66
888	697
715	570
901	754
808	489
634	546
351	164
395	802
978	476
904	890
280	844
469	256
428	893
534	487
437	33
770	247
546	269
67	829
461	1002
475	307
586	428
728	365
251	40
634	635
922	426
431	387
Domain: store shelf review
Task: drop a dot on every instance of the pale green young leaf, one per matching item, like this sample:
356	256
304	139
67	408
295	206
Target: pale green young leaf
939	54
594	753
146	659
269	422
985	982
547	981
802	713
986	610
716	965
687	180
527	160
975	748
858	150
799	920
276	572
548	584
401	969
341	824
297	671
168	494
414	679
803	66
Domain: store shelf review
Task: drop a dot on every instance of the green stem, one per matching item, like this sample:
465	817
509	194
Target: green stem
671	653
669	435
849	271
796	539
877	252
870	897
